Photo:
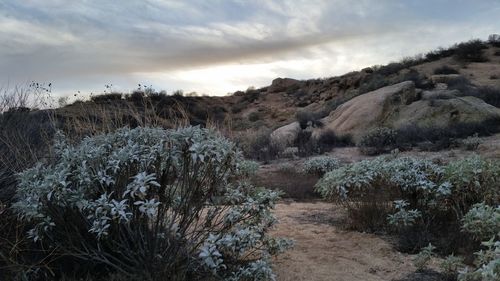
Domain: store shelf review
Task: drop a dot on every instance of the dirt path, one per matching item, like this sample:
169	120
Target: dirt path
323	251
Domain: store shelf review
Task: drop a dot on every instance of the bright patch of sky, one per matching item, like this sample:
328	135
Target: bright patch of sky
217	47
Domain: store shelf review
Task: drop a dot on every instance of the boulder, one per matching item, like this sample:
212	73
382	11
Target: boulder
445	78
369	110
445	112
282	85
440	94
286	135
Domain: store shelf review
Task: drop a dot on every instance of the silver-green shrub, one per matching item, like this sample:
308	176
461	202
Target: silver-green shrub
482	221
424	257
153	204
472	180
320	165
403	217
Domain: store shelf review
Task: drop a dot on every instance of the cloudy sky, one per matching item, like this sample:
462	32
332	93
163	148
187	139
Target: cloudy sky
215	47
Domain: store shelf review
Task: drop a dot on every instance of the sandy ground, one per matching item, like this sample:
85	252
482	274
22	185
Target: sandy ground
324	251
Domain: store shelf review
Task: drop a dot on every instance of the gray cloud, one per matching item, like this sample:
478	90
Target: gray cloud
80	45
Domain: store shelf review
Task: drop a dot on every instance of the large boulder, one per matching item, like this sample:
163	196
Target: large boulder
369	110
445	112
445	78
283	84
286	135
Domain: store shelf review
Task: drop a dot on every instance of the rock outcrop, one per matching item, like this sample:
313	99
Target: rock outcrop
369	110
286	135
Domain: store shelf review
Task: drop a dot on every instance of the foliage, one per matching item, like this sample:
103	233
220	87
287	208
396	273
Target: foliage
377	141
471	51
472	180
482	221
444	69
174	193
430	200
487	264
259	145
424	257
472	142
451	266
320	165
403	217
494	39
307	118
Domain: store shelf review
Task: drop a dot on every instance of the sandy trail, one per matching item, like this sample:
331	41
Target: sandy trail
323	251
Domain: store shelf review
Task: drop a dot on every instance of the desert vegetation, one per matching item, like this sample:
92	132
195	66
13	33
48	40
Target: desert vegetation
147	185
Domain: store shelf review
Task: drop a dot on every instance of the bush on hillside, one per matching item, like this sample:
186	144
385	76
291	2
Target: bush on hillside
471	51
444	69
372	83
377	141
106	97
307	118
440	53
494	40
175	194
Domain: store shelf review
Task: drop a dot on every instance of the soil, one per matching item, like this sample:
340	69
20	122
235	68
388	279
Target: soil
324	250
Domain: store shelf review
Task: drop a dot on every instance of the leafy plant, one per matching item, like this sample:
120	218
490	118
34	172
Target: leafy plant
451	266
320	165
424	257
377	141
151	204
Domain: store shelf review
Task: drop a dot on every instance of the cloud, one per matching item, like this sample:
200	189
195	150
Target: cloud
235	43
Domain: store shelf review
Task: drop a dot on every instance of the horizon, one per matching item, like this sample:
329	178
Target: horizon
223	47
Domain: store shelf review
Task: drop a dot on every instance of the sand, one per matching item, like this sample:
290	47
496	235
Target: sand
325	251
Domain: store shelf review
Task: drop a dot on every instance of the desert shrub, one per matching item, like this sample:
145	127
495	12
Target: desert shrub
424	257
250	96
494	40
482	221
471	51
290	152
106	97
444	69
305	144
320	165
360	188
377	141
259	145
307	118
150	204
439	53
438	138
420	80
494	77
489	94
327	140
413	196
287	168
471	143
451	266
254	116
472	180
372	83
389	69
238	107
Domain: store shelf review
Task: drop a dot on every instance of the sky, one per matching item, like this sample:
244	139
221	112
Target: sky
217	47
